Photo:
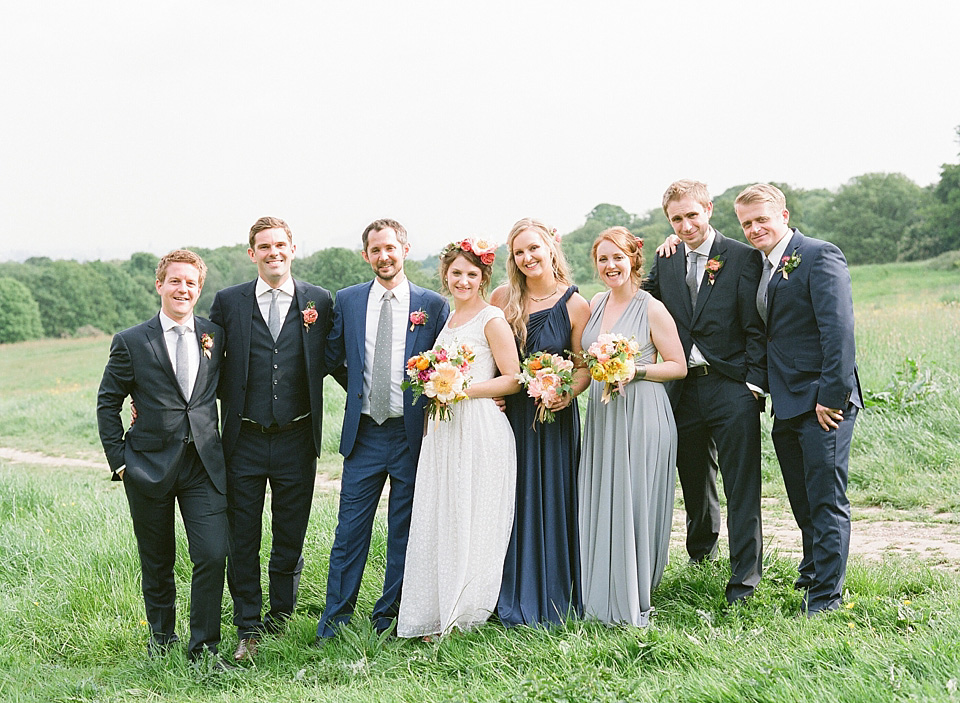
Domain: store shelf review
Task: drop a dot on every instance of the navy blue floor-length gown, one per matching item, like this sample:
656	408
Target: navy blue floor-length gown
541	573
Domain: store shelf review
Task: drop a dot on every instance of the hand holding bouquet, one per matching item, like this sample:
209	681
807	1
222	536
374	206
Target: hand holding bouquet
611	359
441	375
546	377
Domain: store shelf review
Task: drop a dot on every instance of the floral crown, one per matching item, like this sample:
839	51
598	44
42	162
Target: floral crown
481	248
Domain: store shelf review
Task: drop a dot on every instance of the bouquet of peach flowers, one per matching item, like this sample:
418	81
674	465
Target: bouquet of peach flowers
611	359
546	377
441	375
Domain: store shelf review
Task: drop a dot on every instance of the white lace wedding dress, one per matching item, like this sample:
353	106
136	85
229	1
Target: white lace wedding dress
462	506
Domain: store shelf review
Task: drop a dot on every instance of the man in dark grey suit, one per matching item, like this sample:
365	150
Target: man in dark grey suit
806	298
170	366
271	391
710	290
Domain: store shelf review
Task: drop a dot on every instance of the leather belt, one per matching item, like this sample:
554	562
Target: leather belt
275	429
697	371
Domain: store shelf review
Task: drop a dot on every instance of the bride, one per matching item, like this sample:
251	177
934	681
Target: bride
464	497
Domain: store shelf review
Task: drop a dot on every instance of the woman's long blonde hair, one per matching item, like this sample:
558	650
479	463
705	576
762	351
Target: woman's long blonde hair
515	308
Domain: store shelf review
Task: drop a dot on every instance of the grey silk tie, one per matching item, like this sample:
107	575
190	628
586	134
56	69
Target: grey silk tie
274	322
762	290
380	380
182	364
691	278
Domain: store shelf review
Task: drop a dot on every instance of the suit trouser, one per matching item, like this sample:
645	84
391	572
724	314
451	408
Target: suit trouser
380	451
814	464
719	419
204	513
288	460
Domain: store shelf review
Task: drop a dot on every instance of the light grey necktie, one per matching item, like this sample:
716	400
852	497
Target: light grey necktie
183	365
380	381
274	321
762	290
691	278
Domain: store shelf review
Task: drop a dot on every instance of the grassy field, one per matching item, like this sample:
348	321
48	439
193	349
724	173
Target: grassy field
71	614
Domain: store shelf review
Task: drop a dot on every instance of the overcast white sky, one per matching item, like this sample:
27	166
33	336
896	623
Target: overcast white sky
131	126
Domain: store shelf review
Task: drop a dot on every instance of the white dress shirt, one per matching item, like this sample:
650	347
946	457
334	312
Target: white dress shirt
401	322
283	300
193	347
776	254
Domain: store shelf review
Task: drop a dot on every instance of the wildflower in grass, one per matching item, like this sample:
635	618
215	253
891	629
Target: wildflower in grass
850	606
851	625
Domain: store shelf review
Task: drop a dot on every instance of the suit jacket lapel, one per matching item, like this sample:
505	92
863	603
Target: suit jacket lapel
155	337
795	243
706	288
248	299
416	302
200	328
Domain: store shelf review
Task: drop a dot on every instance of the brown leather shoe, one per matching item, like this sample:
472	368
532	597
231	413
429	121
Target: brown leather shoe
246	649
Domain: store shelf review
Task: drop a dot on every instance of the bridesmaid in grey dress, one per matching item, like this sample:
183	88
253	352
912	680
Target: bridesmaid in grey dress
627	465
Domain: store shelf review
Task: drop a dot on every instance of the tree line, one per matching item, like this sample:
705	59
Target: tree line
873	218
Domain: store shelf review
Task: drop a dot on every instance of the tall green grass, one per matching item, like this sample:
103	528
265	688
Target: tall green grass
71	629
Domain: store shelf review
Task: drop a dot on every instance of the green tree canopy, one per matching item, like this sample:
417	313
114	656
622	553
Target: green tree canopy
870	215
19	313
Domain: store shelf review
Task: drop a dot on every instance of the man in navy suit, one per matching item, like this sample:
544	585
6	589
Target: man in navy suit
805	296
377	326
710	289
271	392
170	366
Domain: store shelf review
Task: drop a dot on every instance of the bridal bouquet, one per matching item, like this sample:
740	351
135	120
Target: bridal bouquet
546	377
610	359
441	375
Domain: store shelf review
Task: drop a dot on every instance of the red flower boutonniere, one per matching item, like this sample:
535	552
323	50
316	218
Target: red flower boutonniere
206	344
309	315
713	267
788	264
417	317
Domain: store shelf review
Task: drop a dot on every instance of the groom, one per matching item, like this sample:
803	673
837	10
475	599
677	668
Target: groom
375	330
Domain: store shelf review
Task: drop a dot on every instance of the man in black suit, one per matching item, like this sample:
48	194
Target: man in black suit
271	391
169	366
806	299
710	290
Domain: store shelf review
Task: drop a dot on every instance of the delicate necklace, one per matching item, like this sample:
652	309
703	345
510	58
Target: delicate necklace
546	297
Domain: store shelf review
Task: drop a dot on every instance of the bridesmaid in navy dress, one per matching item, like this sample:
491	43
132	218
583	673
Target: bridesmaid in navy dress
541	573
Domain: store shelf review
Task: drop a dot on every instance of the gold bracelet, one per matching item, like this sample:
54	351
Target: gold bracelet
641	371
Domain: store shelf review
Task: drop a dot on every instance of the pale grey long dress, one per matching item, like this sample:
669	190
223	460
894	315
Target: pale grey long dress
627	477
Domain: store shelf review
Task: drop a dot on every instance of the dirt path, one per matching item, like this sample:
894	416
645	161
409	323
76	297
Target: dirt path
875	533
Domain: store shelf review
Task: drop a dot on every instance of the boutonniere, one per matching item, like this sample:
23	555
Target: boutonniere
788	264
713	267
309	315
206	344
417	317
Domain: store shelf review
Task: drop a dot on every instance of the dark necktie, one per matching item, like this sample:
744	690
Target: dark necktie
762	290
380	378
182	364
691	278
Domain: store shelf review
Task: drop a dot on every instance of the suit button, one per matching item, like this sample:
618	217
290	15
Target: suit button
275	366
186	440
360	395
